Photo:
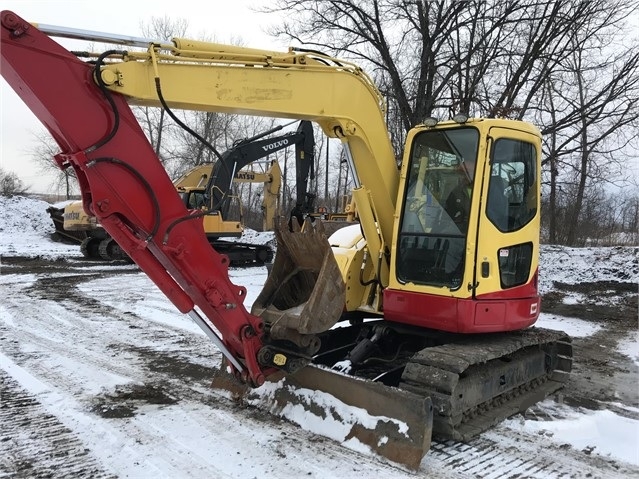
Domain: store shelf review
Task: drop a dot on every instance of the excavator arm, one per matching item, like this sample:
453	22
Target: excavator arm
253	149
125	186
304	170
272	180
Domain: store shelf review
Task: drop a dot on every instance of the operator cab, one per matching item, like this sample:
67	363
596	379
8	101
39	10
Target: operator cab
468	227
193	199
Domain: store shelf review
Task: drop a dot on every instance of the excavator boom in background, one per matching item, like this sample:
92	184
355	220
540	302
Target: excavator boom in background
209	187
422	313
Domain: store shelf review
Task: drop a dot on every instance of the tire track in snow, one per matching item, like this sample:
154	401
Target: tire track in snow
35	444
525	457
109	347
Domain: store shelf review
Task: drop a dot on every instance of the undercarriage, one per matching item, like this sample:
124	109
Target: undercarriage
474	382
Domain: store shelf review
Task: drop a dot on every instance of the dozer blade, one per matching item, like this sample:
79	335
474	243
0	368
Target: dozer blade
362	415
304	293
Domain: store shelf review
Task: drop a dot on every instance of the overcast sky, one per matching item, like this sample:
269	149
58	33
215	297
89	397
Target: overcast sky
222	20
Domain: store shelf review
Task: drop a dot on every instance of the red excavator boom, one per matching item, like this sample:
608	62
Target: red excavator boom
126	187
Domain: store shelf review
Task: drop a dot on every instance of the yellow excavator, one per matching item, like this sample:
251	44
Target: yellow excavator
208	184
217	225
95	242
421	314
192	188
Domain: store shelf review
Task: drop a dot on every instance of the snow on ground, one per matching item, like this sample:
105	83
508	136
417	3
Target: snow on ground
581	265
256	237
630	347
25	228
583	429
574	327
24	222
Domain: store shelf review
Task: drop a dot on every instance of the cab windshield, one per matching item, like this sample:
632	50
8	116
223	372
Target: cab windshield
436	212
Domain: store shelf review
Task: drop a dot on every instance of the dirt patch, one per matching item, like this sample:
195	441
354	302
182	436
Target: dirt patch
39	265
35	265
126	399
57	280
601	374
167	363
611	302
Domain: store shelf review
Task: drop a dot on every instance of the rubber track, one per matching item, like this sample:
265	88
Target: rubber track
109	250
245	254
480	381
90	247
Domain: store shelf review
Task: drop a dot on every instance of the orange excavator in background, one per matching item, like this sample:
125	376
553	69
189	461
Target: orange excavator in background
422	313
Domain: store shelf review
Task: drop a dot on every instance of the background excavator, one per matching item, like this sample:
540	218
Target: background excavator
421	314
214	200
209	187
73	223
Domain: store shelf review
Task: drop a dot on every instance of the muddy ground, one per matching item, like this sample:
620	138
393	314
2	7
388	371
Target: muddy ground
601	376
600	373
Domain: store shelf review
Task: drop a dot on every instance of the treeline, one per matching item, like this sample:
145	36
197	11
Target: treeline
570	67
11	184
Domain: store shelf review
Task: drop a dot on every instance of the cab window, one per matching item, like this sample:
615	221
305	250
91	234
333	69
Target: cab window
196	200
436	212
512	188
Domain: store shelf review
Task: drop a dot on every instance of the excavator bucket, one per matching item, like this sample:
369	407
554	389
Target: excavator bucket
304	293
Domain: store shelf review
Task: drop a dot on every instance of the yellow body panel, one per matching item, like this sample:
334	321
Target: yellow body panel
196	177
76	219
215	225
284	85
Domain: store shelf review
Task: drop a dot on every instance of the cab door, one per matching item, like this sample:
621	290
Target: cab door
507	246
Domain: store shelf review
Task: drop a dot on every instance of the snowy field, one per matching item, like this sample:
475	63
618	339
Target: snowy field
79	340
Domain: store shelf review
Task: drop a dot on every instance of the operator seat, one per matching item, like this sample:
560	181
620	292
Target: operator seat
497	206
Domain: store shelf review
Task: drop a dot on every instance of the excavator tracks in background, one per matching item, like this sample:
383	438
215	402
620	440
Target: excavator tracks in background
96	244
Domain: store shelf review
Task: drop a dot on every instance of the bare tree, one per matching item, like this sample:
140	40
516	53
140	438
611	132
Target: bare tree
42	153
630	217
11	184
589	110
552	62
197	139
441	57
